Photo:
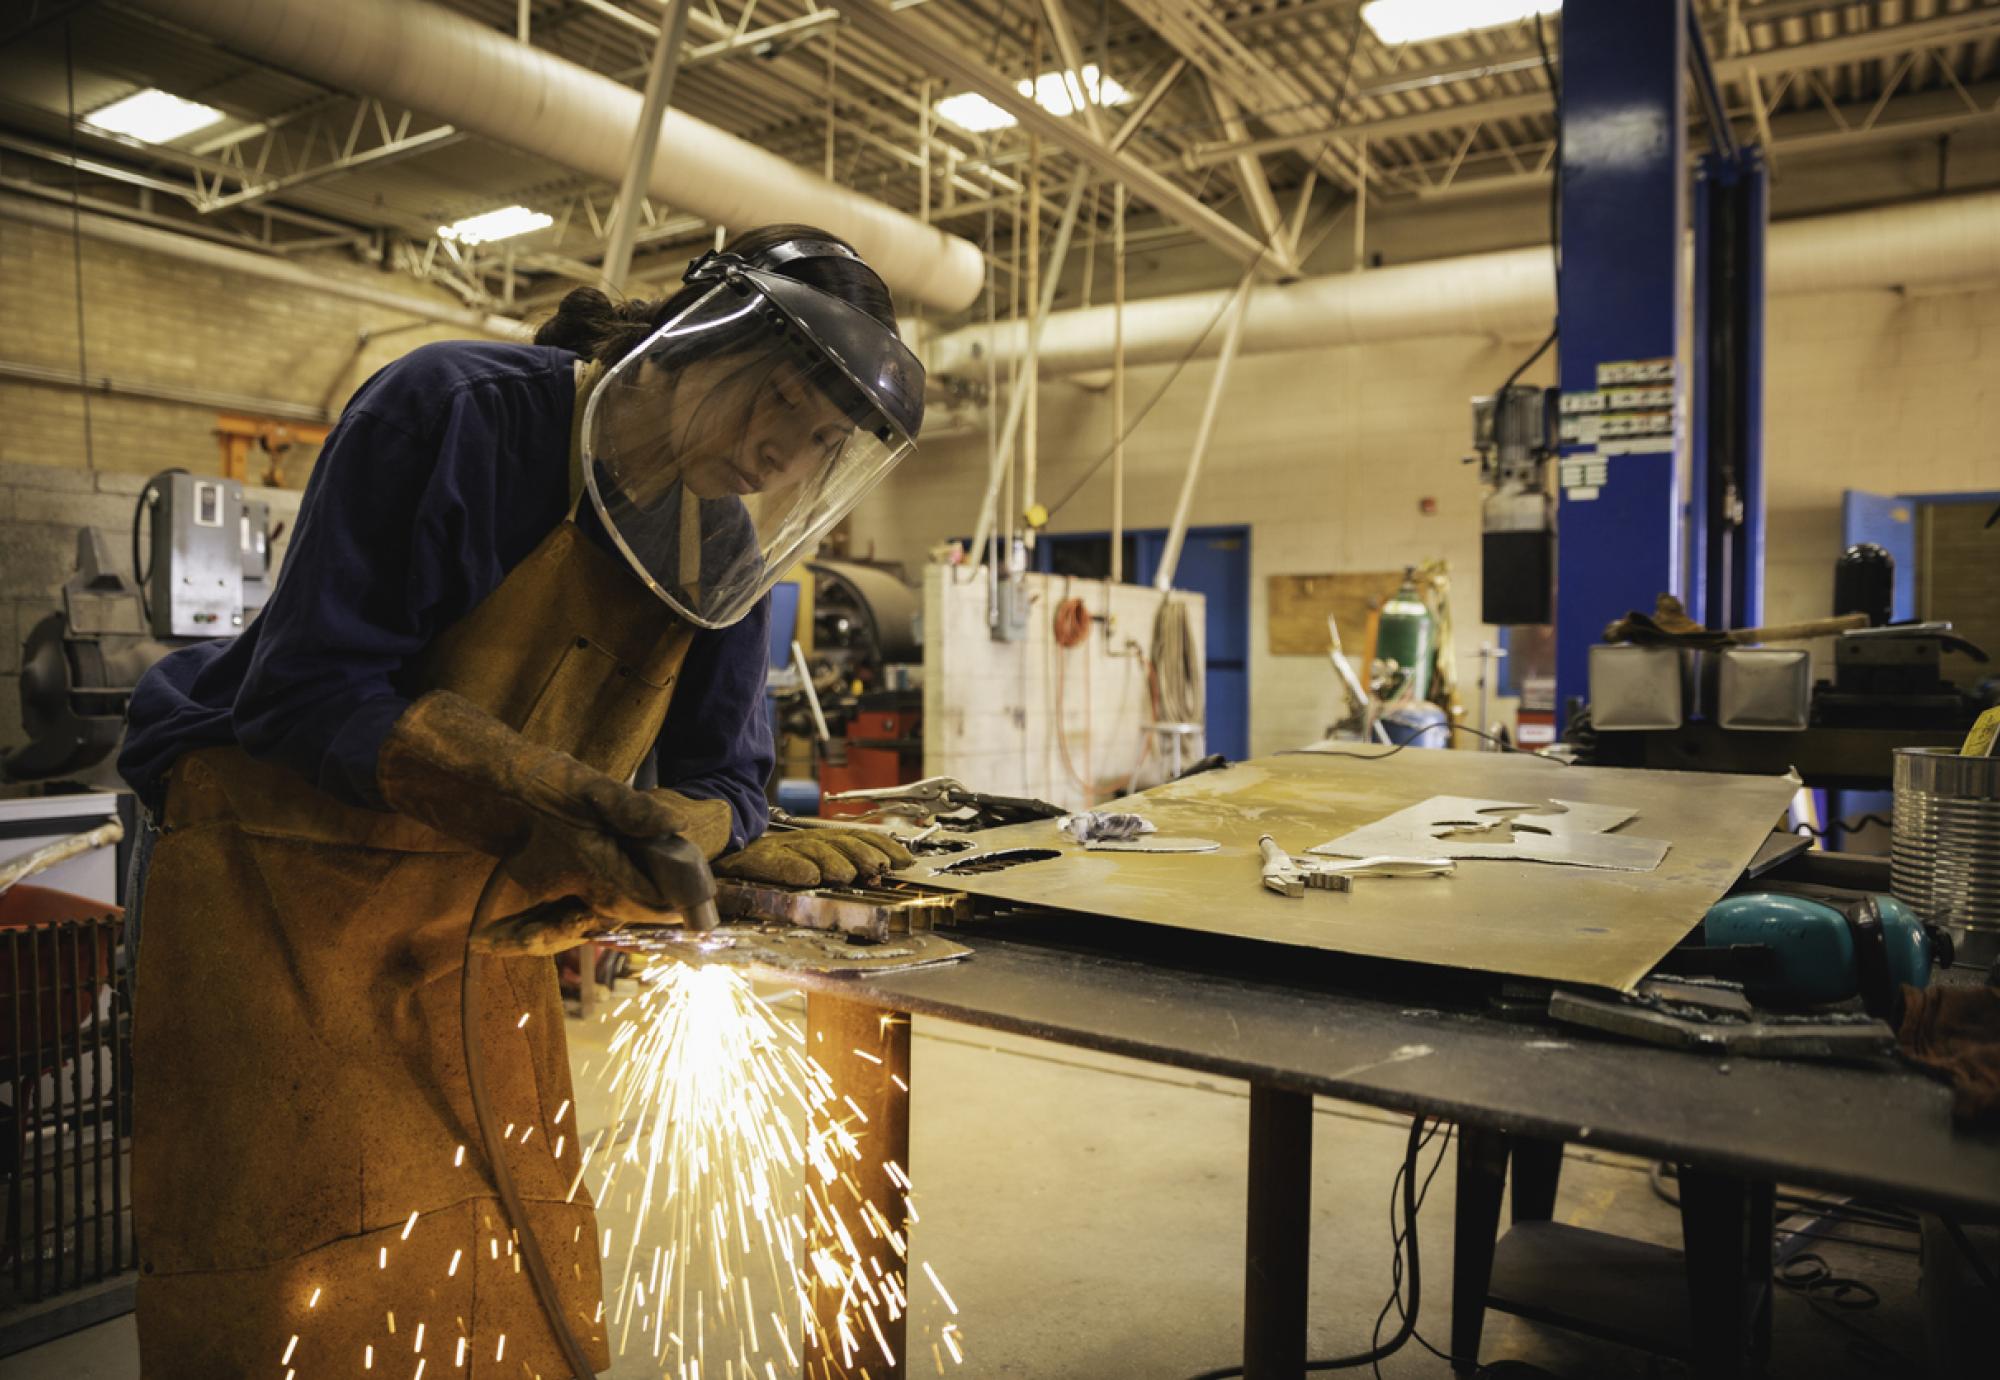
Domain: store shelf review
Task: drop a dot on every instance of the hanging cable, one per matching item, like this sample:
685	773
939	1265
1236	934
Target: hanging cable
1270	242
1405	1184
76	245
471	1019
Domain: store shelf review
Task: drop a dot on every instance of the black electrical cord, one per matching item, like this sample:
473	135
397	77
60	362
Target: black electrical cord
1395	1300
1555	208
1406	1181
140	574
1493	738
1844	826
471	992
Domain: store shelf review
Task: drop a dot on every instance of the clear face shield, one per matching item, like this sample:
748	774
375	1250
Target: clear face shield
724	447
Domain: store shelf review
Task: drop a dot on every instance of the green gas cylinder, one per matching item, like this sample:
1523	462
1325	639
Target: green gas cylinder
1407	635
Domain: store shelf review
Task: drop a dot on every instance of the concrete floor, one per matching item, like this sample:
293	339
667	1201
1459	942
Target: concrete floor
1086	1212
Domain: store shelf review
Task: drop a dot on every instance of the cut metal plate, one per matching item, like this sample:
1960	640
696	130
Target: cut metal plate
1579	925
873	913
1575	833
781	949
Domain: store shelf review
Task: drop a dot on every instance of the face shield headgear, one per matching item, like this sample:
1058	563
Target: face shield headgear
723	447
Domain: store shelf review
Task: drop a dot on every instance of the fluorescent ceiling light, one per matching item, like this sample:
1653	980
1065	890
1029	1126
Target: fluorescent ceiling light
1061	93
1416	21
502	224
154	116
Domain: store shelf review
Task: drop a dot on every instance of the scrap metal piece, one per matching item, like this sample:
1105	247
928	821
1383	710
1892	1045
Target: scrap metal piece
785	949
1289	876
1661	1022
873	913
1576	833
1152	843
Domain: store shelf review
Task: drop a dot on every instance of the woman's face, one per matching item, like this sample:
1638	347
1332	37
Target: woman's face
731	426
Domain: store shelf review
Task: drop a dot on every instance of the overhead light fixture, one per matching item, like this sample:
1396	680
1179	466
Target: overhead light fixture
1062	93
502	224
154	116
1418	21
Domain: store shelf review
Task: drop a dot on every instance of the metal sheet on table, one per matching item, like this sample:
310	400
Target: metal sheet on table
1524	919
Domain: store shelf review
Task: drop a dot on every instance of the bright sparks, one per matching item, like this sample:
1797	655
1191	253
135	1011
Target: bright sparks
719	1113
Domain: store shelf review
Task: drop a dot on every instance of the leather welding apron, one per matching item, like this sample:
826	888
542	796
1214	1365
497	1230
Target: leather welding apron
309	1184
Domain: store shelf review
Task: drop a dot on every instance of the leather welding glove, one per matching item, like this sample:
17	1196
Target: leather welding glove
815	857
570	836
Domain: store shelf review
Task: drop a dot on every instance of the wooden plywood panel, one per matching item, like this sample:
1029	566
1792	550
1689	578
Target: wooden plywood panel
1297	608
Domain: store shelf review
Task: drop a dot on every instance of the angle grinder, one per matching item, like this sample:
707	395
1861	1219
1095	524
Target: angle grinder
1808	946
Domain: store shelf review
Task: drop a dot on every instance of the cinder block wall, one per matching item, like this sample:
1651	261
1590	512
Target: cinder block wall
151	319
1033	719
1328	454
148	319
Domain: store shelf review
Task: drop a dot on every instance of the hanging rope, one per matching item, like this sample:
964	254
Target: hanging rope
1176	665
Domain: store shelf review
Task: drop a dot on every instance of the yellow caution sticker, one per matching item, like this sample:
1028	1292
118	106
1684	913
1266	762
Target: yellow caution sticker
1984	737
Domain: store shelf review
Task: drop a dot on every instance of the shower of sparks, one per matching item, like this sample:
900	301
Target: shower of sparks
746	1244
710	1090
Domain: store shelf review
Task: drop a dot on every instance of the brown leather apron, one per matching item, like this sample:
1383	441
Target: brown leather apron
305	1161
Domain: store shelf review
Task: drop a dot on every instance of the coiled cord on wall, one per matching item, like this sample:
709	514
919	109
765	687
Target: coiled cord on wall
1176	668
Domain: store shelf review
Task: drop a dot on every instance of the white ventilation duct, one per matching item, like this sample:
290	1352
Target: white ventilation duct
487	83
1511	293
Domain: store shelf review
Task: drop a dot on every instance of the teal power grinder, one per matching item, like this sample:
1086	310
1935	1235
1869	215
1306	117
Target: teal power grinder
1810	948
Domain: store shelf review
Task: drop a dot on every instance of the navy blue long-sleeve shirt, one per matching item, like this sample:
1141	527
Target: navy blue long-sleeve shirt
446	470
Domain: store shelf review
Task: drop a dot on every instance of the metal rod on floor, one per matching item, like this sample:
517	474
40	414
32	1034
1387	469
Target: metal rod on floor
1277	1234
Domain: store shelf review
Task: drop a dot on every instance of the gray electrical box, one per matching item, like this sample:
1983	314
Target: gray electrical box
256	548
196	585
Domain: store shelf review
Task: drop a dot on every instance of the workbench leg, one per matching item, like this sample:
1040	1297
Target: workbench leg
1726	1234
1534	1169
1277	1235
839	1035
1482	1182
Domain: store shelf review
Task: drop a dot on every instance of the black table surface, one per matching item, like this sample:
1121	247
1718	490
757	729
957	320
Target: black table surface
1424	1041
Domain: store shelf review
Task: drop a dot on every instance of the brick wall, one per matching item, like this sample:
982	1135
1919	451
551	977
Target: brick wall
152	319
1327	454
155	320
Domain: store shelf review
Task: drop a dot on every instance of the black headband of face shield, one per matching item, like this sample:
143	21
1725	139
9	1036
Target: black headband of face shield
716	263
765	328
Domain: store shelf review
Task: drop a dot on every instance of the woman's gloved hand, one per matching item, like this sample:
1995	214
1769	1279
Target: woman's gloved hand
703	823
559	827
815	857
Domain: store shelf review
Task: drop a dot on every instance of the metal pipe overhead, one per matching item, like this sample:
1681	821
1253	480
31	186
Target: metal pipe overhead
486	83
1504	294
60	219
645	144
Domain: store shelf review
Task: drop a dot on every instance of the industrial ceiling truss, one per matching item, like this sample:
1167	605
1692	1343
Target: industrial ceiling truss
1223	120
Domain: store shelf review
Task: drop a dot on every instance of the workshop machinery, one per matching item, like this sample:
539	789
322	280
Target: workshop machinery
209	574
